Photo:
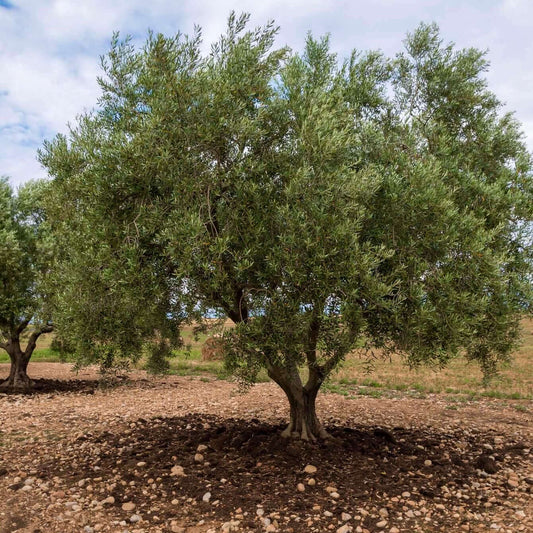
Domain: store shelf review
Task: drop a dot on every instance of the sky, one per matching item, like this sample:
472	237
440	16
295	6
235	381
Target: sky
50	50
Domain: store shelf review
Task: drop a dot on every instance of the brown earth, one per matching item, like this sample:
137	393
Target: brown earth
74	455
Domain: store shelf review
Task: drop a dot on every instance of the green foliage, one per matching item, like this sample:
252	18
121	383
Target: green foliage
24	257
314	202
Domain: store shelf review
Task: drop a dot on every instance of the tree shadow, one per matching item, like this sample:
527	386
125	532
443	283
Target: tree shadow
245	464
53	386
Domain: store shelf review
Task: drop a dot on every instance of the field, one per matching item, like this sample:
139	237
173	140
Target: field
413	450
460	381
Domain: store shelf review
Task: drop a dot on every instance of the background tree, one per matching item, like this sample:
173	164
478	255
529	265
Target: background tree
319	205
24	259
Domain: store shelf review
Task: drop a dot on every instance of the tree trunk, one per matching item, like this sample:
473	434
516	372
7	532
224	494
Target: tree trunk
304	423
18	376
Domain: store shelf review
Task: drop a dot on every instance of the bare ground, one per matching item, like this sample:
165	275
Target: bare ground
78	458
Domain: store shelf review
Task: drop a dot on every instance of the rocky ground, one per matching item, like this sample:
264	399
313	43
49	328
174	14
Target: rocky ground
179	454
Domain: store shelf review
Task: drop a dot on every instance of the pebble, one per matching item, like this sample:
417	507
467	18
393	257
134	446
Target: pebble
201	448
311	482
177	470
345	517
128	506
335	495
383	512
345	529
233	525
141	464
427	462
109	500
135	518
199	458
310	469
301	487
383	523
394	529
206	497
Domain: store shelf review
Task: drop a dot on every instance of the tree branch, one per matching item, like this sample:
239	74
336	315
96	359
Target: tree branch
316	374
22	326
33	339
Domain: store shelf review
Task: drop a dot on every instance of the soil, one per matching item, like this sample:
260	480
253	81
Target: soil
182	454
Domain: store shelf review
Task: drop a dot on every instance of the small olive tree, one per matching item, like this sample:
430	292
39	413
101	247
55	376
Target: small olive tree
24	259
319	205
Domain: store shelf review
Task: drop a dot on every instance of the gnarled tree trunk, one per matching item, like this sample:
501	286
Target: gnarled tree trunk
304	423
18	376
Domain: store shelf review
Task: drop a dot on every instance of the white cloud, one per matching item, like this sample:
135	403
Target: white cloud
49	49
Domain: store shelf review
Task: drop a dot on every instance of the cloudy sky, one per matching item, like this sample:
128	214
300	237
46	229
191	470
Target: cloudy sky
50	49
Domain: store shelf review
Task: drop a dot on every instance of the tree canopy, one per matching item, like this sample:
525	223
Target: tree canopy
25	254
320	204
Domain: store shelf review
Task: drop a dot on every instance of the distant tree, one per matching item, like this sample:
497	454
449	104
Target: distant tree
24	259
320	206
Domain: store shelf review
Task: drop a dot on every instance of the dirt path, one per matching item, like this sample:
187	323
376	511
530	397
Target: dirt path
83	459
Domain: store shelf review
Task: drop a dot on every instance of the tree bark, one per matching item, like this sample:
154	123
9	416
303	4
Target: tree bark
18	376
304	423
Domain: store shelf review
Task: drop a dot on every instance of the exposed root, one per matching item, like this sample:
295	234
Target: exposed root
287	432
323	434
304	434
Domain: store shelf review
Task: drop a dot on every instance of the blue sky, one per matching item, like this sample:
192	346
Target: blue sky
49	49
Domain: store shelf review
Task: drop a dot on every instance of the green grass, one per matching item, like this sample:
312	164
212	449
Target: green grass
44	355
194	368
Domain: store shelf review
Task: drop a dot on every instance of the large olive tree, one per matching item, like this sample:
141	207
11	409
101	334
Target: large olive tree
319	205
24	261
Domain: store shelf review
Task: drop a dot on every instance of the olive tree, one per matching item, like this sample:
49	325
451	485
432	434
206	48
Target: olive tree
24	259
321	205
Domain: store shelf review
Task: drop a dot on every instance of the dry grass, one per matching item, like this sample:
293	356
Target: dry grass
514	381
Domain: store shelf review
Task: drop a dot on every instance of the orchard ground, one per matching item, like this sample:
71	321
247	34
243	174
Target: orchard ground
413	450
